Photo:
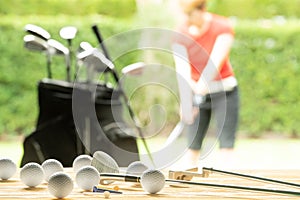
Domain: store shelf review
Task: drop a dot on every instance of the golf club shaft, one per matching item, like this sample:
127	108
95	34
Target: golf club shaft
100	40
250	177
49	72
129	178
254	189
116	77
70	59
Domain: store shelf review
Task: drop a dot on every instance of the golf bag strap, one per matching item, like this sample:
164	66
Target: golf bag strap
115	130
52	122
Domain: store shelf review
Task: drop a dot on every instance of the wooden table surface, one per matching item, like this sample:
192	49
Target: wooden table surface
15	189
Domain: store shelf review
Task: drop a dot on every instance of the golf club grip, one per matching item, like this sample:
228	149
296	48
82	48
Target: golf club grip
100	41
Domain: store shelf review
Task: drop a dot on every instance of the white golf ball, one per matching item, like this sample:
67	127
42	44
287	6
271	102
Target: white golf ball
87	177
32	174
81	161
153	181
51	166
136	168
7	168
60	185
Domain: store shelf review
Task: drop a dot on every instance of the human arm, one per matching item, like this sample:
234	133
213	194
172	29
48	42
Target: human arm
188	110
219	53
183	75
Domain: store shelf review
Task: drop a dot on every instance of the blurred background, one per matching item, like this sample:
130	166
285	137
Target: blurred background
265	55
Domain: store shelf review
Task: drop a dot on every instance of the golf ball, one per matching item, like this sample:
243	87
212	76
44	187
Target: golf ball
7	168
153	181
136	168
87	177
81	161
51	166
60	185
106	194
32	174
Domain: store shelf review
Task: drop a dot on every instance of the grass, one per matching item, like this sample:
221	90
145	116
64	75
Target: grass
266	153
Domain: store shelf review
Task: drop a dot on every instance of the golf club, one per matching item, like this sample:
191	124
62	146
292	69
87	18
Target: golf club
134	69
68	33
185	93
83	46
95	61
197	100
41	33
175	133
59	49
137	69
35	43
37	31
246	176
116	77
106	178
83	51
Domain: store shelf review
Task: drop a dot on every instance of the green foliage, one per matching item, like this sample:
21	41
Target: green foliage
254	9
266	59
113	8
20	69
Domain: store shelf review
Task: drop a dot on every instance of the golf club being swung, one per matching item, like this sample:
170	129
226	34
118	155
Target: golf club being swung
116	77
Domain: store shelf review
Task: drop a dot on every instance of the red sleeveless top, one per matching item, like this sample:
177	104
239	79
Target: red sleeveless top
200	47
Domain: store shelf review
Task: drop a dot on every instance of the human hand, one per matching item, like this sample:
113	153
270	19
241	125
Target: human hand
194	113
199	87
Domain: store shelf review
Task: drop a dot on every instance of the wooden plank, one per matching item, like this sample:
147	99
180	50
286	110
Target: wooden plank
15	189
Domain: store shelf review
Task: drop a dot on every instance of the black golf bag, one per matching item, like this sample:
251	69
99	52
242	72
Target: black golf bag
63	135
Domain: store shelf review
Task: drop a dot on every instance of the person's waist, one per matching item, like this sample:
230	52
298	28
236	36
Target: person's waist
225	84
229	83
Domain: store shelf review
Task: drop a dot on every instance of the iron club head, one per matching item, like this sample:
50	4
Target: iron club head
34	43
37	31
57	47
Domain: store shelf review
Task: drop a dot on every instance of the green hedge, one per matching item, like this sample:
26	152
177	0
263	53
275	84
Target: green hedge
254	9
267	62
113	8
21	69
123	8
265	57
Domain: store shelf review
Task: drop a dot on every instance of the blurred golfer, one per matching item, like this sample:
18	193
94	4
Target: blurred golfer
212	77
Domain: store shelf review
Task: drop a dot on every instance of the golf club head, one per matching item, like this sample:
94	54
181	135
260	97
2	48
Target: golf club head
34	43
134	69
83	46
37	31
96	60
57	48
84	53
68	32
